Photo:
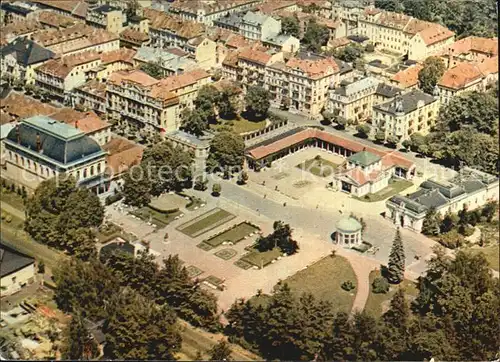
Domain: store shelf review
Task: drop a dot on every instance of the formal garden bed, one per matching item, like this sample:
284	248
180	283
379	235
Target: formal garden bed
193	271
318	166
226	254
214	282
261	259
205	222
324	280
363	247
233	235
159	219
378	303
243	264
168	203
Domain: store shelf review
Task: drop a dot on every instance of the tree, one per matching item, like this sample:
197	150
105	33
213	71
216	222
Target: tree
350	53
432	71
407	144
431	223
174	287
417	140
140	329
84	287
392	140
226	103
257	102
226	150
476	110
208	97
341	122
315	36
449	222
168	167
136	187
78	343
489	210
243	178
281	238
380	136
363	130
290	26
200	183
63	216
395	328
216	189
153	69
396	265
220	352
193	123
328	116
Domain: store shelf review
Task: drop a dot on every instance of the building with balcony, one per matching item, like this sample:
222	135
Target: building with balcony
60	76
467	77
403	34
40	148
412	112
90	96
206	11
106	17
258	26
168	30
77	39
470	188
139	101
198	146
21	57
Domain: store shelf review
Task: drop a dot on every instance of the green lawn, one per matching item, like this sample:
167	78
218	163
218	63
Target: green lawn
319	167
240	125
377	304
158	218
491	253
323	279
233	235
395	187
205	222
261	259
13	235
12	198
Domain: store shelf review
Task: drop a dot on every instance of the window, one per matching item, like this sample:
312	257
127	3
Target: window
84	173
10	155
22	161
92	171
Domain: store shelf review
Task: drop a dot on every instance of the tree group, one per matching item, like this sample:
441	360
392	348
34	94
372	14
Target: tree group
453	318
281	238
429	76
65	217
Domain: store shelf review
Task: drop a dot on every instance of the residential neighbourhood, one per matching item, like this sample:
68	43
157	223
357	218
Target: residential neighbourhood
249	180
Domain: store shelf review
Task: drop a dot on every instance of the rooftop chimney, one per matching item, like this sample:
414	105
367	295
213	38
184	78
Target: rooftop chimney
38	142
18	134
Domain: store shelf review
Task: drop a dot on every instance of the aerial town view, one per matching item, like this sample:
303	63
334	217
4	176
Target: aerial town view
248	180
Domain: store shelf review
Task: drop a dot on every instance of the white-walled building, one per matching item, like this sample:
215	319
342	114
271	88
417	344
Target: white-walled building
17	271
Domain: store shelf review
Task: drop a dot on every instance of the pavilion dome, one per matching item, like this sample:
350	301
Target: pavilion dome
348	225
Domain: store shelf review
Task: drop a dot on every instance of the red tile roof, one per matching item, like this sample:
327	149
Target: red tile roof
182	80
122	154
254	56
460	75
314	68
120	55
361	177
473	43
388	157
408	77
134	76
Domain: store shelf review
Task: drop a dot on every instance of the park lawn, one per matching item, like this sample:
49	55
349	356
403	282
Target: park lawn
320	168
259	259
377	304
14	236
235	234
13	199
158	218
240	125
394	188
206	222
491	254
323	279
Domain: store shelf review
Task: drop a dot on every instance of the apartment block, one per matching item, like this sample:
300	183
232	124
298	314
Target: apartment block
171	64
203	50
90	96
206	11
258	26
106	17
77	39
467	77
354	101
60	76
168	30
412	112
139	101
21	57
404	34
